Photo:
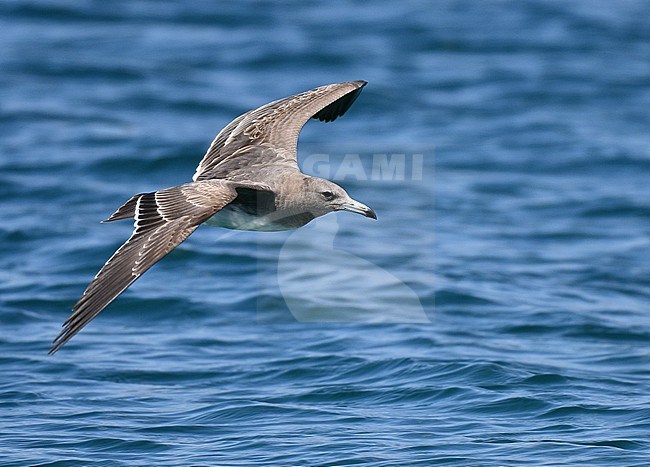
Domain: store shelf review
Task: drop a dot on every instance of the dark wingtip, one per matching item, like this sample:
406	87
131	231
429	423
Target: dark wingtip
54	348
59	341
341	105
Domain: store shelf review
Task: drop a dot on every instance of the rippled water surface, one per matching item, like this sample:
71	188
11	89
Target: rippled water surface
497	313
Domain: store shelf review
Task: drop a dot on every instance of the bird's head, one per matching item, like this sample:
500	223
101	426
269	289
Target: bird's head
325	196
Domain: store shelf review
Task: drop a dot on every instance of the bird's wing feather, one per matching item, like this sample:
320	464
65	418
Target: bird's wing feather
163	220
277	125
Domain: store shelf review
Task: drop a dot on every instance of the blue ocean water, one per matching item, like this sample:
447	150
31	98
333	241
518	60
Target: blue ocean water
509	270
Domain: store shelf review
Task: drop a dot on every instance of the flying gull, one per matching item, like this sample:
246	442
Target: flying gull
249	179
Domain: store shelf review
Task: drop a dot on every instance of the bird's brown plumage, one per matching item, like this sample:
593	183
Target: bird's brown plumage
253	154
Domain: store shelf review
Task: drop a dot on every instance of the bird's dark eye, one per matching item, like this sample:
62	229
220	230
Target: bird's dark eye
328	195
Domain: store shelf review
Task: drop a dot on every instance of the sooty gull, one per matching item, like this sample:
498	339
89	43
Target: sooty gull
248	180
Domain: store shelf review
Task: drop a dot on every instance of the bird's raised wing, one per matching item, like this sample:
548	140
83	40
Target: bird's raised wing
163	220
277	125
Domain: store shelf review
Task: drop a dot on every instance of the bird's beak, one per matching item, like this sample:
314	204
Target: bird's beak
359	208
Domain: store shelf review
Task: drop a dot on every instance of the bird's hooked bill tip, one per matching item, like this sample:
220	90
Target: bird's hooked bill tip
359	208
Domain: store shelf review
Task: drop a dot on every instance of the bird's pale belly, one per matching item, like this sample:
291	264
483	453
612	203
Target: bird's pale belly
232	217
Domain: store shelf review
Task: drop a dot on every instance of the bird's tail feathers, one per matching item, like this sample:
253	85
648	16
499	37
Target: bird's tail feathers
127	210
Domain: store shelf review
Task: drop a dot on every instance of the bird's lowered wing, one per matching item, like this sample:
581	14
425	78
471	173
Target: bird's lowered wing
277	125
163	220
